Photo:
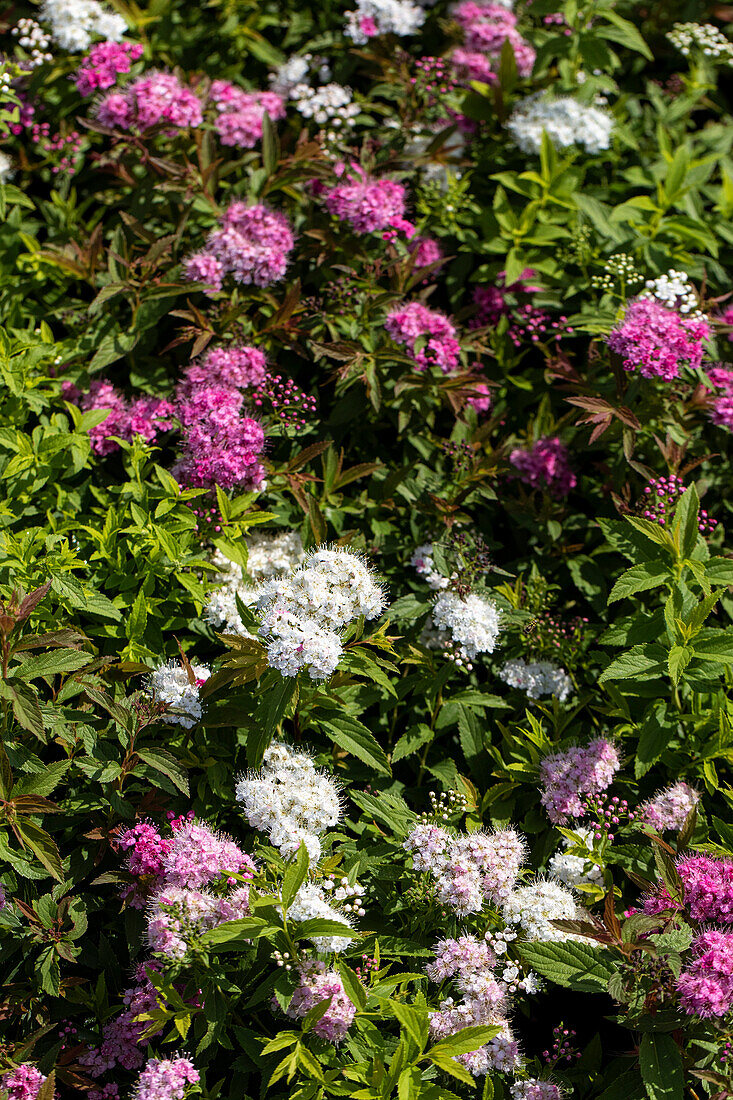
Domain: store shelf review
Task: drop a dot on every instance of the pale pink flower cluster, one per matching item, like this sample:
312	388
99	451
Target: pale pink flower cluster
429	336
103	64
706	983
657	341
470	962
569	777
252	245
545	465
470	868
368	204
486	27
22	1083
181	911
669	808
165	1079
145	416
156	99
532	1088
316	984
240	114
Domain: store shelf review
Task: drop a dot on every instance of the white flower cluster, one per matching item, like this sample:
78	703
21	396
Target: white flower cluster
575	870
350	893
565	120
268	556
532	907
32	37
302	614
290	800
170	684
423	564
6	167
673	290
75	23
705	37
332	104
474	623
310	904
297	70
372	17
537	678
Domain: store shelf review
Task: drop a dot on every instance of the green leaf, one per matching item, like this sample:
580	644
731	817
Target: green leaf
236	931
464	1041
412	740
668	873
685	530
415	1021
51	663
641	660
320	927
654	739
387	807
25	706
573	965
640	578
270	145
137	620
295	875
42	845
626	34
163	761
715	645
660	1061
353	736
720	570
42	783
353	988
678	660
449	1065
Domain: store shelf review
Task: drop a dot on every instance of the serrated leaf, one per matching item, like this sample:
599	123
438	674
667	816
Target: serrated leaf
295	875
573	965
353	736
415	1021
163	761
660	1061
639	578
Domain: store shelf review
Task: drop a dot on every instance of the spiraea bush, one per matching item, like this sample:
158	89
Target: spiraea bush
365	587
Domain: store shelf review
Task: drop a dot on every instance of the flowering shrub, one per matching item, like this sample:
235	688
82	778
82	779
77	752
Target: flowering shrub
365	588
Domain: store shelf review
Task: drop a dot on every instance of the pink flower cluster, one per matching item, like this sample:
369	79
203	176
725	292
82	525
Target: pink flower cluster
582	770
492	301
252	245
525	321
165	1079
469	868
706	984
425	251
658	342
238	367
240	114
430	337
70	144
22	1083
181	911
669	808
721	412
122	1035
220	447
144	848
103	64
470	962
545	465
146	416
368	204
486	27
316	984
197	856
156	99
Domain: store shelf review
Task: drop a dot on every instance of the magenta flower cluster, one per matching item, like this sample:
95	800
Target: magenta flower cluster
316	984
569	777
156	99
22	1083
721	409
429	336
658	342
240	114
545	465
165	1079
146	416
368	204
486	27
252	245
239	367
103	64
706	983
